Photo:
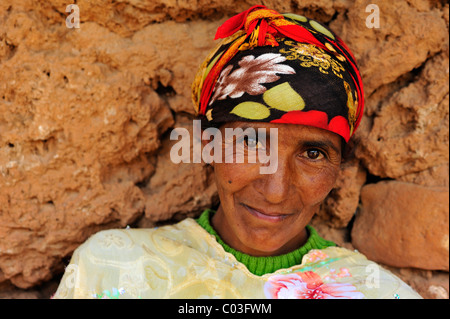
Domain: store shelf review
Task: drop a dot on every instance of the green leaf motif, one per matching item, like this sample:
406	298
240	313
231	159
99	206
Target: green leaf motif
321	29
284	98
251	110
296	17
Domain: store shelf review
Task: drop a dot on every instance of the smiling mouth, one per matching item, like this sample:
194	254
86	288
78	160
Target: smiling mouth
271	217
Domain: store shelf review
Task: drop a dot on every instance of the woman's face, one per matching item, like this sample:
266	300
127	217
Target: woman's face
266	214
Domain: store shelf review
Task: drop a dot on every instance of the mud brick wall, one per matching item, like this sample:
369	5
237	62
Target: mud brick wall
86	113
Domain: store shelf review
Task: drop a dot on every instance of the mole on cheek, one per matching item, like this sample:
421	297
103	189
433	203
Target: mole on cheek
229	182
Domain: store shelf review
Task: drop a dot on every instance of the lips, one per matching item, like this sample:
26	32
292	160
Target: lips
270	217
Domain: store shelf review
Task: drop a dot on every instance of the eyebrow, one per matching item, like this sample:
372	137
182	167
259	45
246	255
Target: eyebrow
312	143
320	144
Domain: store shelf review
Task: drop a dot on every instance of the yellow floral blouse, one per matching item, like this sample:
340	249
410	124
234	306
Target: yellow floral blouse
185	261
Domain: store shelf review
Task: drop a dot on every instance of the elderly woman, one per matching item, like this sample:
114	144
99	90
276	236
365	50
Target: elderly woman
294	79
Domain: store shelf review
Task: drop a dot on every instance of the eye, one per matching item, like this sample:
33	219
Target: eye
313	154
252	143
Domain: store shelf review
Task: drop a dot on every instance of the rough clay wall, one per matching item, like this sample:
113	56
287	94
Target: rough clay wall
85	116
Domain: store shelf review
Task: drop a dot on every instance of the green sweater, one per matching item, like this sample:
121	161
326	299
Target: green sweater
264	265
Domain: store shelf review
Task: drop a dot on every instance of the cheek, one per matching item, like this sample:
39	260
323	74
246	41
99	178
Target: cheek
318	185
231	178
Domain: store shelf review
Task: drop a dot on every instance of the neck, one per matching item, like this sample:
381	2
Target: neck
263	265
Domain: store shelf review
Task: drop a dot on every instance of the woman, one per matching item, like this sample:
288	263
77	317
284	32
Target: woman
294	79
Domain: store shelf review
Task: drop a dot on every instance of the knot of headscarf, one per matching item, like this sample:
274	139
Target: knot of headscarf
284	68
262	24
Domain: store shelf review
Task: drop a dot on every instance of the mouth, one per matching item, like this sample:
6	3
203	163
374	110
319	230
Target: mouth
273	217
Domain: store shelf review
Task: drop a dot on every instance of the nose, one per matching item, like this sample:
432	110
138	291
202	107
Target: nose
275	187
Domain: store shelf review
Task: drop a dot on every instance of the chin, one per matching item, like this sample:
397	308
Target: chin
265	247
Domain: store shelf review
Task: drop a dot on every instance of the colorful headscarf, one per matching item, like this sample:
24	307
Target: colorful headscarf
280	68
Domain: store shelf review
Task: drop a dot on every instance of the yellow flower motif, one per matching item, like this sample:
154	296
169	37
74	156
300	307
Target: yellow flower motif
352	105
208	115
309	55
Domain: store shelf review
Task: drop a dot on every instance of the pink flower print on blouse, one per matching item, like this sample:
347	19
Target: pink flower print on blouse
315	255
336	274
307	285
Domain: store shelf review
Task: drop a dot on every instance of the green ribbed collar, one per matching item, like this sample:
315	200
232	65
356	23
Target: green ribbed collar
264	265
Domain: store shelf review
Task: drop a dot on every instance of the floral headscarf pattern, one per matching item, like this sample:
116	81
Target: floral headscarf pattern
280	69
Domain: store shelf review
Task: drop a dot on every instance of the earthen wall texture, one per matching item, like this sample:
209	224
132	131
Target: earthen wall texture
86	114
